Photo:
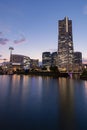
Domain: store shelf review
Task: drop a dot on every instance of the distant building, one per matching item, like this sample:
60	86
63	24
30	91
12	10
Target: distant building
20	61
49	59
65	44
46	59
54	59
77	67
34	63
78	58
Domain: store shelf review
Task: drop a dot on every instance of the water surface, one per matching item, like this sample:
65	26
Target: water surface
42	103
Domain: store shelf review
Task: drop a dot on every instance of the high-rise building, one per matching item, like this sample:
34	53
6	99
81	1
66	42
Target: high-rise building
77	62
54	59
49	59
46	59
65	44
78	58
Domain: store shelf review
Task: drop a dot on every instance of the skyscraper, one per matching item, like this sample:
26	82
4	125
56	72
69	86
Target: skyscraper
65	44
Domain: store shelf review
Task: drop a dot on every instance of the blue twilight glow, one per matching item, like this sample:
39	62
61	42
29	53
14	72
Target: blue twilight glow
31	26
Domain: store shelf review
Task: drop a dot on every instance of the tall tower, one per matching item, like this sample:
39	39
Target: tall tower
65	45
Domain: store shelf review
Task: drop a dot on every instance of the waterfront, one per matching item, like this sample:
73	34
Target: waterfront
43	103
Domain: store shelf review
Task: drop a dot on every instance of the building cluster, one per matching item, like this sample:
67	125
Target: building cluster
49	59
23	62
65	57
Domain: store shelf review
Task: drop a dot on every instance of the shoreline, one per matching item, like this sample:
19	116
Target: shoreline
44	73
50	74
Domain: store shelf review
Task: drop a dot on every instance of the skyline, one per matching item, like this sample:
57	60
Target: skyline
31	27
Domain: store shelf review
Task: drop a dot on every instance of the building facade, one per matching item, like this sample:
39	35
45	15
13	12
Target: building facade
65	45
54	59
34	63
78	58
20	61
49	59
46	59
77	62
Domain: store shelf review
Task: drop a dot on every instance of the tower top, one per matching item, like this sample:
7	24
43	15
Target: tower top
66	18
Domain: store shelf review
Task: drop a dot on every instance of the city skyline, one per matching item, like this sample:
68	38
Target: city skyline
30	26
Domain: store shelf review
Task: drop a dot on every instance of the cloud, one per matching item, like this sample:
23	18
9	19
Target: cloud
85	10
3	41
21	40
1	33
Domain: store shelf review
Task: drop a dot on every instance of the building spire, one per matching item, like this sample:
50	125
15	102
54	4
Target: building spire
66	24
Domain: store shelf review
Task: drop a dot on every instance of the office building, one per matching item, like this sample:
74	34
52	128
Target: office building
54	59
20	61
65	45
46	59
78	58
77	62
34	63
49	59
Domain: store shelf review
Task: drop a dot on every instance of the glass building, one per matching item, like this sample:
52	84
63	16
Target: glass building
54	59
78	58
49	59
65	44
46	59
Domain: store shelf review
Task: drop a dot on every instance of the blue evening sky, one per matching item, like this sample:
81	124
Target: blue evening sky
31	26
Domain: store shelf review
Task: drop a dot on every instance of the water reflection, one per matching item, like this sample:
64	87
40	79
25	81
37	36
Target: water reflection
85	88
66	94
43	103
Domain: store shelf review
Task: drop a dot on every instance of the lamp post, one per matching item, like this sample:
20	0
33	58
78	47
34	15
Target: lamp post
11	60
11	49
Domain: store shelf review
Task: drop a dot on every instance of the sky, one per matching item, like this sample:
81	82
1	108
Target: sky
31	26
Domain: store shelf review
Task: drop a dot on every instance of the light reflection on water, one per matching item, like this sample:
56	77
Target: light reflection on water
43	103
